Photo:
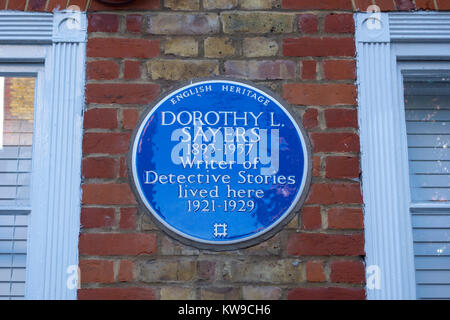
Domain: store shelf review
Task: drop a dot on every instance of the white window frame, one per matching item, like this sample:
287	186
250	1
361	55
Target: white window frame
381	46
57	42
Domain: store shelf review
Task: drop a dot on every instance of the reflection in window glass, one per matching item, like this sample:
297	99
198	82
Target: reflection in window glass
16	140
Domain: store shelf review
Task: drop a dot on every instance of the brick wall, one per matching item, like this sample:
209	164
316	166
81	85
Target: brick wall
302	49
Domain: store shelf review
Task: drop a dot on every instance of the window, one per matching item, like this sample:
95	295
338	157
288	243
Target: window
403	62
41	105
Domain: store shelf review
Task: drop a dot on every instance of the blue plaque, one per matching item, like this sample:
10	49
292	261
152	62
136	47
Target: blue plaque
220	164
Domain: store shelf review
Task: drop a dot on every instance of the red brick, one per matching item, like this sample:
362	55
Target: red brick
347	272
100	118
339	69
309	69
102	70
122	48
443	4
56	4
112	244
339	23
100	167
17	5
123	93
307	23
345	218
127	218
320	94
335	141
310	119
107	194
311	218
96	271
129	118
314	271
335	193
36	5
405	5
362	5
341	118
105	142
135	5
125	271
425	4
97	217
328	293
123	168
314	4
385	5
80	3
342	167
134	23
103	22
2	4
319	47
320	244
132	69
128	293
316	166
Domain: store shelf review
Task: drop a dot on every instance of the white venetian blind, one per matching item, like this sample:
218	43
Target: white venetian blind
17	111
427	111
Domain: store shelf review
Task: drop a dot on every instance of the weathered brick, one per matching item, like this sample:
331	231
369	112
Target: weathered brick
405	5
218	47
107	194
316	166
128	218
327	293
362	5
129	118
182	4
266	248
341	167
339	23
220	4
345	218
105	142
100	118
123	168
134	23
206	270
309	69
36	5
320	94
386	5
134	93
102	70
181	46
341	118
335	142
310	118
125	271
103	22
17	5
339	69
320	244
311	218
172	270
257	22
97	217
335	193
96	271
425	4
261	293
220	293
257	4
177	293
313	4
122	48
112	244
131	69
308	23
347	272
263	271
261	69
181	69
182	23
171	247
127	293
136	5
56	4
314	271
319	47
100	167
260	47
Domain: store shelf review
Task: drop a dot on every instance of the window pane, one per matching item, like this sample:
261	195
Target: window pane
16	141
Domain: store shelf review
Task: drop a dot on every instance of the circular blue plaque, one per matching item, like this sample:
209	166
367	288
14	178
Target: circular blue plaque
220	164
